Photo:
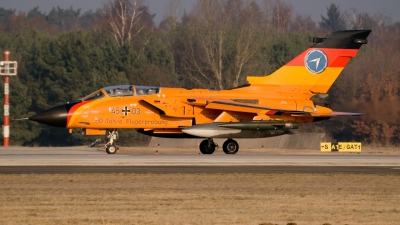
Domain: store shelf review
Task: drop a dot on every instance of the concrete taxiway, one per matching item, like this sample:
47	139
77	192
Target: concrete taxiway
86	160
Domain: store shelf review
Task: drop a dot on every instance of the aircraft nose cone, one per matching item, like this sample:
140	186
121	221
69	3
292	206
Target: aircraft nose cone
56	116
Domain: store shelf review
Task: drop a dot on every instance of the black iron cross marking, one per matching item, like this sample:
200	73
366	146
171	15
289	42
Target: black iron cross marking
126	110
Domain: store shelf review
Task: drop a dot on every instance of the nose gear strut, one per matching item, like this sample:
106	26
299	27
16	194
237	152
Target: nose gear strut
111	145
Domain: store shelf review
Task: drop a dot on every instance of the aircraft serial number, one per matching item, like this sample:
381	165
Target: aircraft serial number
124	110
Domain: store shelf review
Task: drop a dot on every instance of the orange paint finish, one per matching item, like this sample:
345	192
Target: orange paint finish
167	131
230	116
94	132
203	116
288	104
284	96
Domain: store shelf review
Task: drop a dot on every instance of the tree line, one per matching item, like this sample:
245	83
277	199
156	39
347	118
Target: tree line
65	54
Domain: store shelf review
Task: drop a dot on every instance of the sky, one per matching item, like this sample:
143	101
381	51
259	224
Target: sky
313	8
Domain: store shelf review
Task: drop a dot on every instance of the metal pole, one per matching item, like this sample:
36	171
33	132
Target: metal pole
6	130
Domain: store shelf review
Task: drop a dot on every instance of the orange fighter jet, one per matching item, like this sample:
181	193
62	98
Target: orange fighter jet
264	107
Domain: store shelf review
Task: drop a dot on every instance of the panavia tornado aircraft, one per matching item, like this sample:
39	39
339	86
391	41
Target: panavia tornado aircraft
264	107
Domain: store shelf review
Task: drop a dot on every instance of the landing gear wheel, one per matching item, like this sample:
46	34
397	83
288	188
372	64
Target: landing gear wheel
230	146
207	146
111	149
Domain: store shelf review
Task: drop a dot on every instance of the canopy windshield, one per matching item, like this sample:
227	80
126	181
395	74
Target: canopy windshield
93	96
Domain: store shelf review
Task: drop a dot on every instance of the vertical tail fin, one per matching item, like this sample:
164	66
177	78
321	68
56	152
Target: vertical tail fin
317	68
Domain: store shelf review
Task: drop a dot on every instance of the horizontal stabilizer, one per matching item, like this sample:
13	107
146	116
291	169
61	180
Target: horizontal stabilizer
333	114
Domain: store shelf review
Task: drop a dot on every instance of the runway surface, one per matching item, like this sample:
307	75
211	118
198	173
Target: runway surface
88	160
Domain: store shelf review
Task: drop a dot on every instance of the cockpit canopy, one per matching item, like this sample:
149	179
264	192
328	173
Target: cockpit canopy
122	91
119	90
93	96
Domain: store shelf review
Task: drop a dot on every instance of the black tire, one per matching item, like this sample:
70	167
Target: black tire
230	147
205	149
111	149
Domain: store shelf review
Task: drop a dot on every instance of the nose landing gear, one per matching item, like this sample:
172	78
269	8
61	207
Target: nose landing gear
111	146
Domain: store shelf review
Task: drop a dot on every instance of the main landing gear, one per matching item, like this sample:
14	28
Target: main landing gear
207	146
230	146
111	145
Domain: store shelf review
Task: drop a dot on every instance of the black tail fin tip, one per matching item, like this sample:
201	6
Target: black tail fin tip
348	39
